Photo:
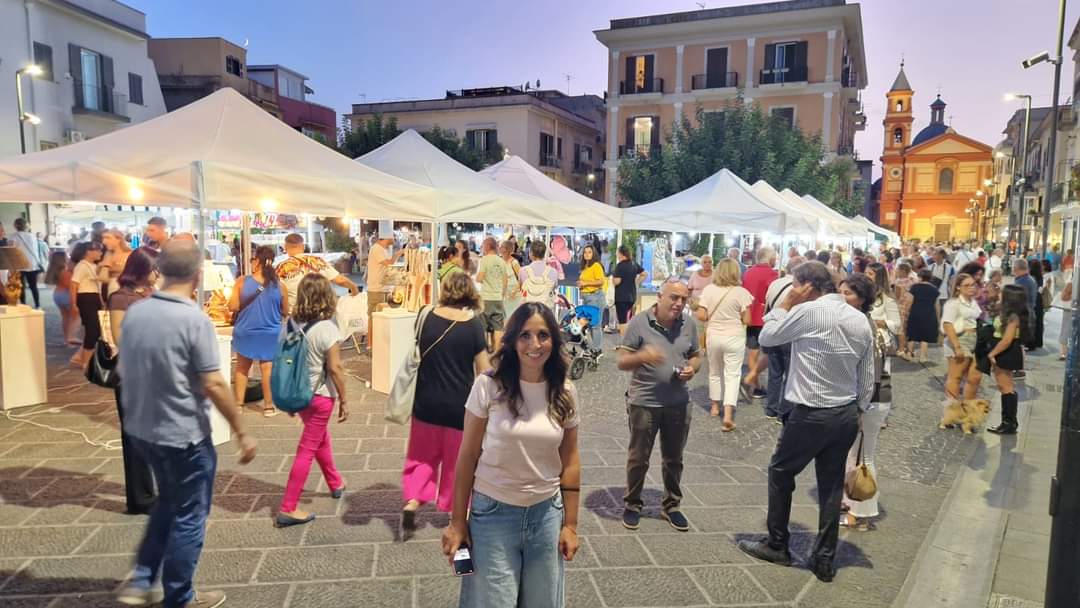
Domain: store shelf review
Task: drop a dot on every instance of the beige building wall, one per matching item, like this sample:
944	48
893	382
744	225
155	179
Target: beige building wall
198	57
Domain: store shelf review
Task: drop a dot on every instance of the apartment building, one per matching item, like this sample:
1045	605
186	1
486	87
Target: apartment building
802	60
192	68
95	77
559	134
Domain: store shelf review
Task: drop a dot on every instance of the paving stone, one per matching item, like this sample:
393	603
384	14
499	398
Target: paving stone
392	445
221	567
437	591
73	487
366	502
42	540
251	533
69	575
413	557
114	539
110	512
263	463
333	531
691	549
317	563
728	585
647	587
14	514
585	556
746	474
726	519
8	567
231	506
395	593
257	596
26	602
580	591
733	494
619	551
385	462
66	449
783	584
65	467
65	512
14	468
20	490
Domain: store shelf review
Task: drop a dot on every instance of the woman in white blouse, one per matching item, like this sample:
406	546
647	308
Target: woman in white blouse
885	313
520	469
959	319
86	297
724	307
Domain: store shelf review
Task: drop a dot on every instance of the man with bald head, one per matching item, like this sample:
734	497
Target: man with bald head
661	348
172	372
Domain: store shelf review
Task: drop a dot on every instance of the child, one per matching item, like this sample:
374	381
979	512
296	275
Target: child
315	307
922	317
59	276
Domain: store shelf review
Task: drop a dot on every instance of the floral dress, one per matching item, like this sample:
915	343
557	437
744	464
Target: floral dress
904	300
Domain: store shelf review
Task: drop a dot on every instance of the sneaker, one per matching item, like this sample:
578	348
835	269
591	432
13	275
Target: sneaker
132	595
762	550
676	519
631	519
207	599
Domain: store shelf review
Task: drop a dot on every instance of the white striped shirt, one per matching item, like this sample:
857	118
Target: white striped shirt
832	350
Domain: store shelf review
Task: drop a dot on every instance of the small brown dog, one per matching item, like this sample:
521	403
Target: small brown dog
968	414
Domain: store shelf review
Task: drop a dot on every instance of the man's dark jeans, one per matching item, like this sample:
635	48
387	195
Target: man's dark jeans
673	424
174	535
823	435
779	360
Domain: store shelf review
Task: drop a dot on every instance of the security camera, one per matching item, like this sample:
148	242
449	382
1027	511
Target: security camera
1037	59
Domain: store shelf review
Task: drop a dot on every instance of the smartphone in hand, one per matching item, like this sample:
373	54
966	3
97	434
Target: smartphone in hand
463	565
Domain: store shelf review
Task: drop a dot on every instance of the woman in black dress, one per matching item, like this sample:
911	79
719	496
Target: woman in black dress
922	320
1036	270
1006	356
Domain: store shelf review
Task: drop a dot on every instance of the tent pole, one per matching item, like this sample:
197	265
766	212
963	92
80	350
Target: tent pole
618	238
712	237
199	185
673	235
245	243
436	237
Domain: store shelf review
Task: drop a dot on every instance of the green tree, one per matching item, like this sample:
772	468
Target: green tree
460	150
372	133
747	142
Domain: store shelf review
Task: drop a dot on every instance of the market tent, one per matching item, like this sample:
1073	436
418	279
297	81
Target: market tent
468	196
833	227
720	203
515	173
802	220
891	236
222	150
854	228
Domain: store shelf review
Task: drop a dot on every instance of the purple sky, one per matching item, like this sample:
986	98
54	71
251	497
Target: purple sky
378	50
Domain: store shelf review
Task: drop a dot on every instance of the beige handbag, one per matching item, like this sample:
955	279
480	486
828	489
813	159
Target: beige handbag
859	483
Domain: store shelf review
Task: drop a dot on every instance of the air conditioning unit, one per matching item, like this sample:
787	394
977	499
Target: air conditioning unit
73	137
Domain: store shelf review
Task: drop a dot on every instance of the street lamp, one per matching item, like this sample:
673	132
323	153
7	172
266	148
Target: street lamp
24	117
1022	181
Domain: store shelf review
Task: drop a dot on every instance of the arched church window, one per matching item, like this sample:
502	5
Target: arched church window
898	136
900	105
945	181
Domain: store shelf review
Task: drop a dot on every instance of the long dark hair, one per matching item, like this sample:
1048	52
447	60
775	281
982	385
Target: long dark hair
265	255
79	251
863	287
58	262
1014	303
507	367
1035	268
881	280
138	268
464	254
595	256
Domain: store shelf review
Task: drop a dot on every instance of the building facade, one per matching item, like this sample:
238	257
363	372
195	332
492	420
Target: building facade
799	59
560	135
96	77
192	68
933	182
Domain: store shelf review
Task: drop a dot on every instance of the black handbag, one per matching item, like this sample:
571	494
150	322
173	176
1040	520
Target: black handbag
984	343
102	369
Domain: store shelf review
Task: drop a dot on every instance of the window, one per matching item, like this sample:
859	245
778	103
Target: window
46	145
785	115
43	59
898	136
639	75
643	126
945	181
135	88
91	79
547	150
482	140
558	148
233	66
900	106
785	62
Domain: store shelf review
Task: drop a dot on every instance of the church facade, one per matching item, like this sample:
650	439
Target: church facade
934	182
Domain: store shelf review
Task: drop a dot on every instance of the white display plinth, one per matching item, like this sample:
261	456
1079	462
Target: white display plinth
220	431
392	332
646	299
23	378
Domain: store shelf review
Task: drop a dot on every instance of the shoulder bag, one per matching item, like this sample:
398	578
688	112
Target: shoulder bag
859	483
399	404
705	330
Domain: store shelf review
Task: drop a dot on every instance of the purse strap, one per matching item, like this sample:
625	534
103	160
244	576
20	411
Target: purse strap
420	326
859	458
722	298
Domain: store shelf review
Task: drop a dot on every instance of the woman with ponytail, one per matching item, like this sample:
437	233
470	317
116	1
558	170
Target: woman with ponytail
259	302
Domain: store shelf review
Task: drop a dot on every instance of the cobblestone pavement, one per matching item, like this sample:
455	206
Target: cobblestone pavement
64	540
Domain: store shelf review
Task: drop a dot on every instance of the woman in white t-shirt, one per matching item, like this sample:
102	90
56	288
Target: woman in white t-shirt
959	320
519	466
1063	301
86	297
725	307
316	304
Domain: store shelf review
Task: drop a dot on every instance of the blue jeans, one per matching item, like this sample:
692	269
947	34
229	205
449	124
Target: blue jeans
779	359
174	535
599	300
515	553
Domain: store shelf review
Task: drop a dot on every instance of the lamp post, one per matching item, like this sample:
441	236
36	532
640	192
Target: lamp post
1022	182
24	117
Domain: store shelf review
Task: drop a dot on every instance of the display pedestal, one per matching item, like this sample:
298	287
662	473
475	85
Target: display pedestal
220	431
393	340
23	379
646	299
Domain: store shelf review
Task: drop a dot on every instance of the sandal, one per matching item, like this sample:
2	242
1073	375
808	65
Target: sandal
727	427
270	412
714	411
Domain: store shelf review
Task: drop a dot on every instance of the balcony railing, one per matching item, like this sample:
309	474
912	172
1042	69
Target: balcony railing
550	160
656	85
642	151
714	81
582	168
798	73
849	77
94	99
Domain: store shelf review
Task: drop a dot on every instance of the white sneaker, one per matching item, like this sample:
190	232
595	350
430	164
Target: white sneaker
131	595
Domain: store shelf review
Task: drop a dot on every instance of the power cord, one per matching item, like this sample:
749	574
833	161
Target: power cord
111	445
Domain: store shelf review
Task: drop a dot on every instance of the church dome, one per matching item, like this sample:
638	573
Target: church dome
930	132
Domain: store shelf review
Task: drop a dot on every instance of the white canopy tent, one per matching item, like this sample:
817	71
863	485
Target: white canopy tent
221	152
832	227
892	237
468	196
515	173
853	228
809	221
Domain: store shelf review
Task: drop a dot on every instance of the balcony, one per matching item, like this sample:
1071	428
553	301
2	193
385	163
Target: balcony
849	78
640	151
700	82
799	73
550	160
656	85
101	102
580	168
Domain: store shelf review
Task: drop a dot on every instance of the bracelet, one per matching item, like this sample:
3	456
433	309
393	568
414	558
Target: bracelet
566	489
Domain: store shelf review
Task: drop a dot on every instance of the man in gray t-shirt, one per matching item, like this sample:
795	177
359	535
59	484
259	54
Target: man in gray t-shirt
661	349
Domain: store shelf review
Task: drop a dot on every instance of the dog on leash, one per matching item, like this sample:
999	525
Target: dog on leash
969	414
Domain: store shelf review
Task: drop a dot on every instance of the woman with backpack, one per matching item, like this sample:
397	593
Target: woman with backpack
453	350
1007	356
538	280
314	313
259	302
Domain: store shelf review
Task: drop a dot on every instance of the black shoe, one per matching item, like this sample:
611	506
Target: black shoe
631	519
759	394
285	521
408	524
1005	428
823	569
676	519
762	550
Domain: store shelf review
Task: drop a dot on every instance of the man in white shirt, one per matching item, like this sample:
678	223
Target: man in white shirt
943	273
963	256
995	261
378	260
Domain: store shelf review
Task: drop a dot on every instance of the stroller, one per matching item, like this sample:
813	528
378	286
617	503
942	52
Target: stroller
575	326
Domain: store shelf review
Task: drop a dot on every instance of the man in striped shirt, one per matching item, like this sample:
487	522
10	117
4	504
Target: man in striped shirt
829	383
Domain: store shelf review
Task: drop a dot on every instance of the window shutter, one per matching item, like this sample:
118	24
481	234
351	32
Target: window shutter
650	73
43	59
135	92
577	155
75	69
654	138
628	85
558	148
770	56
629	135
801	50
108	82
715	67
470	138
492	136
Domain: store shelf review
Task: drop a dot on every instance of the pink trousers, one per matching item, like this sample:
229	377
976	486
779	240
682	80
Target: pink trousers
429	464
314	444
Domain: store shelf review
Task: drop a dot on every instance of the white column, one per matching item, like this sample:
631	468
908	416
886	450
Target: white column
611	164
750	76
611	184
679	68
613	76
678	112
830	56
826	121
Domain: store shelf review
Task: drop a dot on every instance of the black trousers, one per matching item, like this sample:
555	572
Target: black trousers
89	304
29	280
1040	316
138	476
673	424
823	435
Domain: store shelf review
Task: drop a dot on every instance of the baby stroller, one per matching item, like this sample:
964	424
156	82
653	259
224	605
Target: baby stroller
575	327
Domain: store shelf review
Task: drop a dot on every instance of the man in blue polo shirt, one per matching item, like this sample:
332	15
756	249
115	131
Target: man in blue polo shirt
171	372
